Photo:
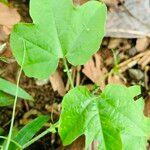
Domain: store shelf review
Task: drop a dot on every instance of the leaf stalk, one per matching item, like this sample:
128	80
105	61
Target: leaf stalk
68	72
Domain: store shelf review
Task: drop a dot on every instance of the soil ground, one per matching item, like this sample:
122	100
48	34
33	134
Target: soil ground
47	101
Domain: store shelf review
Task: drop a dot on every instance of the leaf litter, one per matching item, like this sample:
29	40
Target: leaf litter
139	61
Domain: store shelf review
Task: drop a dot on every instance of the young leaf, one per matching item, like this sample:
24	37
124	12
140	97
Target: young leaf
10	88
113	118
27	132
5	99
59	30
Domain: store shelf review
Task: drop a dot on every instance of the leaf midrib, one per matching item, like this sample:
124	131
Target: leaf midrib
97	105
70	50
23	38
107	101
56	27
78	119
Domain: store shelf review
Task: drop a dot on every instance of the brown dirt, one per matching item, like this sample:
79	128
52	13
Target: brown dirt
46	99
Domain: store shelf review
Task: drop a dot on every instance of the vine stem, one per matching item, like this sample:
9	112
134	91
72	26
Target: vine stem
68	72
1	147
15	103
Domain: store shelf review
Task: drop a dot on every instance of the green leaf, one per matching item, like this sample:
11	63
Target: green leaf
1	131
14	133
27	132
4	1
10	88
113	118
59	30
5	99
135	127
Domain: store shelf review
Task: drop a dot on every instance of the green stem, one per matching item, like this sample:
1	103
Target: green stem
17	144
15	103
37	138
68	73
1	147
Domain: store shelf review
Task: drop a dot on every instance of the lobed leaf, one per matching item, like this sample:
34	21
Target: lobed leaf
114	119
59	30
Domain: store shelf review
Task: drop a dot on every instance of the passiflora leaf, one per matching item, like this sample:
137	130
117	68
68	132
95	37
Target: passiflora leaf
10	88
113	118
59	30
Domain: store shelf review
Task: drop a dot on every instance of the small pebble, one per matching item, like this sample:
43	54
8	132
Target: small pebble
136	74
132	51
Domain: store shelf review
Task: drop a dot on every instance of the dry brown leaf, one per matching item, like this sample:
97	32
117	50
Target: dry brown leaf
57	83
131	20
95	70
8	17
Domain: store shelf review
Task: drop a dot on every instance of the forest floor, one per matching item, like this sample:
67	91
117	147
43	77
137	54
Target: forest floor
119	60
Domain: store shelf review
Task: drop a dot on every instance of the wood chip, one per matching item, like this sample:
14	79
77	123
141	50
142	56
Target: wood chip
57	83
145	60
132	61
